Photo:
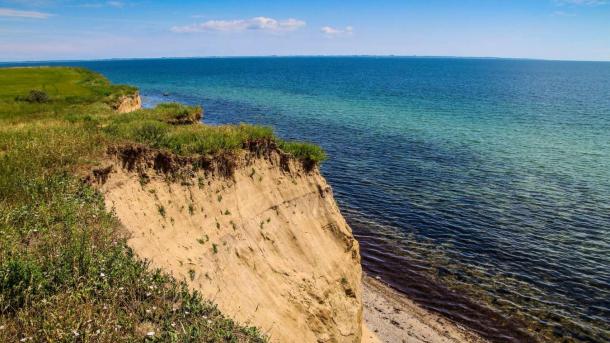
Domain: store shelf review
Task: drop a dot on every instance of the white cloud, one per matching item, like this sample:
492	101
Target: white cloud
581	2
8	12
334	32
257	23
115	4
562	14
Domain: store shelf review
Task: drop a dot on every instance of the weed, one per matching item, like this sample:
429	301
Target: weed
203	240
161	210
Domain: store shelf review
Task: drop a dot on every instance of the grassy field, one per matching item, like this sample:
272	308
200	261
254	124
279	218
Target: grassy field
66	273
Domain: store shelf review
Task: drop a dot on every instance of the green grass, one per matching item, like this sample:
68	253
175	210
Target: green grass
66	272
67	89
304	151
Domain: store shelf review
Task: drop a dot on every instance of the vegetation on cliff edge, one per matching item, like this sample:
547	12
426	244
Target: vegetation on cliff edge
66	272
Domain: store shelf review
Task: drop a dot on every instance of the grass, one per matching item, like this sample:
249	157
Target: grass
74	88
304	151
66	272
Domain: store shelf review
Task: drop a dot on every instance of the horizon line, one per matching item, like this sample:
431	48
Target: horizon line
297	56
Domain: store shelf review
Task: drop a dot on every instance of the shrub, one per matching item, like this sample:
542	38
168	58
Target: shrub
37	96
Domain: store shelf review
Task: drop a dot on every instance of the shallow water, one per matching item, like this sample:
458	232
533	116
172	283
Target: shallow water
479	187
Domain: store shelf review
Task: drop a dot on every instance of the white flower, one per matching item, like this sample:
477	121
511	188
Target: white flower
102	274
150	333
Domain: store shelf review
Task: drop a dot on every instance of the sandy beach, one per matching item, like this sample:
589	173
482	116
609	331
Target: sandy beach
390	317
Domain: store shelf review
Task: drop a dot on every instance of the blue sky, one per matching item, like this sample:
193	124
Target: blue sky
548	29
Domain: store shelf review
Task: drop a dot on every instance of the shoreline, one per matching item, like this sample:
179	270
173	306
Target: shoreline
390	316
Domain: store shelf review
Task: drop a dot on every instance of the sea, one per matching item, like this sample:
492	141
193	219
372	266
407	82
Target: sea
480	188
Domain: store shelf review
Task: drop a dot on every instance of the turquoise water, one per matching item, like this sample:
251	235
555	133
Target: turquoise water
479	187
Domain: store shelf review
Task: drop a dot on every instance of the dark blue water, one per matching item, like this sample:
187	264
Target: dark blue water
481	188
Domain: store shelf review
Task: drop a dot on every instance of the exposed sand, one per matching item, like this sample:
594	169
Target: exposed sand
269	247
129	103
390	317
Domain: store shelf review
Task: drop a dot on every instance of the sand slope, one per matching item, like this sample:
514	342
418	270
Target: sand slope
270	247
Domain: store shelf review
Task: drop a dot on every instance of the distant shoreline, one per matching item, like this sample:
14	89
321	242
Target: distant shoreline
9	62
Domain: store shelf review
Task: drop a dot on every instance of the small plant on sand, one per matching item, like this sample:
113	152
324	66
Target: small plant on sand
203	240
252	173
191	209
161	210
233	225
144	180
227	212
192	274
219	197
214	248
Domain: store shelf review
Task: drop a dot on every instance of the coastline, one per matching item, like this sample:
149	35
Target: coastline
392	317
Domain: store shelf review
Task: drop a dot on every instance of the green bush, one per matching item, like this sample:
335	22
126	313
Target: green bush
37	96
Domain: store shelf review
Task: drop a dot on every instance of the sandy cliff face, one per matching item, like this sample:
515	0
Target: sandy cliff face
268	245
129	103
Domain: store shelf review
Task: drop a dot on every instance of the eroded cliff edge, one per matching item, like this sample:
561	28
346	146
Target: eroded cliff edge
258	234
128	103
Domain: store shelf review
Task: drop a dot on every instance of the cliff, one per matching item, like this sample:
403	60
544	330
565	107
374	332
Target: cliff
128	103
266	241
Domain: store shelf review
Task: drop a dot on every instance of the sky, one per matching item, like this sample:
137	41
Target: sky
92	29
